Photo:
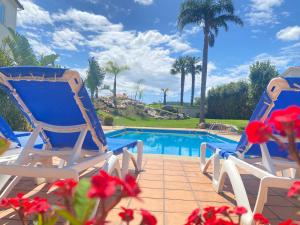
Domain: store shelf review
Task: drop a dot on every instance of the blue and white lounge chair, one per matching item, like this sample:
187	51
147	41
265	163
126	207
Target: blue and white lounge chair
57	105
264	161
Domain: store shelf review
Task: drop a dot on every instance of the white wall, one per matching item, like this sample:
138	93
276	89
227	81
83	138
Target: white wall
10	17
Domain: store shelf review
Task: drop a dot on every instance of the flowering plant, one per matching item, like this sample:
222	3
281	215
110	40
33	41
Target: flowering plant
80	201
282	123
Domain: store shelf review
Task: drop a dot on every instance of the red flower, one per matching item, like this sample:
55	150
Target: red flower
66	187
103	185
130	186
295	189
261	219
222	209
209	214
239	210
148	218
194	218
39	205
286	121
287	222
126	215
258	132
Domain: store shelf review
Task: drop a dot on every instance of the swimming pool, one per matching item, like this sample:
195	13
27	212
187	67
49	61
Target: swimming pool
169	142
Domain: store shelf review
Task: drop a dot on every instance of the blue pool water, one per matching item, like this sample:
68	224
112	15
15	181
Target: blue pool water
169	142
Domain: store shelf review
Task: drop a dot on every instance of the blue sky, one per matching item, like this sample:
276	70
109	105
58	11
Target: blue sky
142	34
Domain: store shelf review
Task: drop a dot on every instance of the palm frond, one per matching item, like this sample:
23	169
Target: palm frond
48	60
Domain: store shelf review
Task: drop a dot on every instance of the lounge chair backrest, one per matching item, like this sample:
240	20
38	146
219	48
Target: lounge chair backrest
56	97
280	93
6	132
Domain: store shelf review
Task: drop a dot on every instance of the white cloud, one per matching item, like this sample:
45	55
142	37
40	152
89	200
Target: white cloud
33	15
67	39
144	2
39	48
86	21
289	33
262	12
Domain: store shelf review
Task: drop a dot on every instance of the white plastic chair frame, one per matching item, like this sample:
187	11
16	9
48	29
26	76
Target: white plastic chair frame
265	168
70	165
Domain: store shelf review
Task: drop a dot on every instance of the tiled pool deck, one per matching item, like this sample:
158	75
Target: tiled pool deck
171	188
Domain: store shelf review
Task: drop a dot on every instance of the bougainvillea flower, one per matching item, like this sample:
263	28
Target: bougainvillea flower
65	188
148	218
194	217
258	132
103	185
126	215
261	219
239	210
294	189
210	214
287	222
222	209
39	205
287	120
130	186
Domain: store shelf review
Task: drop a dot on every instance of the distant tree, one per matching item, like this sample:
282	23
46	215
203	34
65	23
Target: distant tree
260	75
138	89
22	53
95	77
229	101
193	67
180	66
5	58
115	69
165	91
211	15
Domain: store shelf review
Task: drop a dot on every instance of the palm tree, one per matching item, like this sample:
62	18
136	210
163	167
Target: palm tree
179	66
22	53
95	77
193	67
115	69
165	91
211	15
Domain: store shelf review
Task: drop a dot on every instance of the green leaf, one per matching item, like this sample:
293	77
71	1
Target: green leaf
68	216
82	204
51	221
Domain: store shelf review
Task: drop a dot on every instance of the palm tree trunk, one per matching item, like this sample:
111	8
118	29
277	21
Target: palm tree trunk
193	89
115	91
96	93
165	97
204	77
182	87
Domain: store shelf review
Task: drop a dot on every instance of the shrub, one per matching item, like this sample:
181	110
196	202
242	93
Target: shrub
108	121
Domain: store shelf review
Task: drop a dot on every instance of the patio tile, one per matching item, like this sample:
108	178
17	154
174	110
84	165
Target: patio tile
150	184
180	205
151	204
152	193
146	176
153	171
175	178
201	187
174	185
176	218
205	196
179	194
285	212
174	173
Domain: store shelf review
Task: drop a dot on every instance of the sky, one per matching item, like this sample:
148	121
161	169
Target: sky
142	34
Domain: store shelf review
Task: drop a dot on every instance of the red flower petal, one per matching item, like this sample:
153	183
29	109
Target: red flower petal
258	132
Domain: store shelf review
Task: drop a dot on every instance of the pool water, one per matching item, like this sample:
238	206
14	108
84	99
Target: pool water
170	142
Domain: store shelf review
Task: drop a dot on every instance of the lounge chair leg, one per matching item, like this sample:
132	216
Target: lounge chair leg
112	166
125	162
204	162
139	160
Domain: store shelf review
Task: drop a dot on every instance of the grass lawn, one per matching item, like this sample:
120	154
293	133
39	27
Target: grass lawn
188	123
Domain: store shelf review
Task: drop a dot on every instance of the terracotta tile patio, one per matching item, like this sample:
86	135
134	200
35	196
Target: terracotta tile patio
172	187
